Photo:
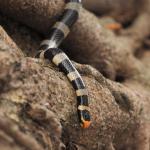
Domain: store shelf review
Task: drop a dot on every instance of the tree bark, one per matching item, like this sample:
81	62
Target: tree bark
39	98
104	50
37	102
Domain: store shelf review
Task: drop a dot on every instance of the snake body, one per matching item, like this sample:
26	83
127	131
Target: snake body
49	50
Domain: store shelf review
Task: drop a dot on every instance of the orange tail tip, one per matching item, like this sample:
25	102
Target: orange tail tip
86	124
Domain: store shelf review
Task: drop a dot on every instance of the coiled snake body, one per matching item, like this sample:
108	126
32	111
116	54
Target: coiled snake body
49	50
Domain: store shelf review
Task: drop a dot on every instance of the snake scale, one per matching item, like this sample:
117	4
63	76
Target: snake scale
49	50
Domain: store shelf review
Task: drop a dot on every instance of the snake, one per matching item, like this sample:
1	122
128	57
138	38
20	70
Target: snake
49	49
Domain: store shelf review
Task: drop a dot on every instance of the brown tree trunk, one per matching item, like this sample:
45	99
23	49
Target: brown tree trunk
37	102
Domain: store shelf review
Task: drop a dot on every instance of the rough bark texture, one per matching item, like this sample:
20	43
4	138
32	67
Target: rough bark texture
123	11
37	102
104	50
